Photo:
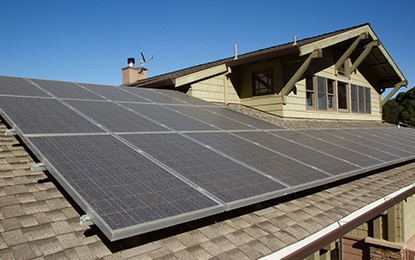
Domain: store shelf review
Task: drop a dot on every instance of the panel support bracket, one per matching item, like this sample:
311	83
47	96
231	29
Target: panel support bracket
38	167
85	221
318	53
364	54
11	132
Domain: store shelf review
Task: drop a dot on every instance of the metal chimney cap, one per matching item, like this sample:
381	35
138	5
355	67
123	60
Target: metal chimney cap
131	62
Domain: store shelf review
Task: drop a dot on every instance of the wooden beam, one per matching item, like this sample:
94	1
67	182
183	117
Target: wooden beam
297	75
200	75
350	50
363	55
394	90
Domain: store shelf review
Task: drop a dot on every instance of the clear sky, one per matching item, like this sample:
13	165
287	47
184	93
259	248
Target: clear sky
90	41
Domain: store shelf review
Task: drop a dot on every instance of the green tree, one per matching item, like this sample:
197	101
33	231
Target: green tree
401	109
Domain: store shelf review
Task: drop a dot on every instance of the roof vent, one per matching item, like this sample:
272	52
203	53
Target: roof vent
295	40
235	51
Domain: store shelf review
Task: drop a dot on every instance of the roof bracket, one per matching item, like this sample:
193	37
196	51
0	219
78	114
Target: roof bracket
397	86
364	54
10	132
38	167
349	51
85	221
318	53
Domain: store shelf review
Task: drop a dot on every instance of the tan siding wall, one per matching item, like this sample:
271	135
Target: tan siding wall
359	232
213	90
409	218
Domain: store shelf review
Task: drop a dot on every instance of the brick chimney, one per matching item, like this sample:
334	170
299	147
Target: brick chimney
131	73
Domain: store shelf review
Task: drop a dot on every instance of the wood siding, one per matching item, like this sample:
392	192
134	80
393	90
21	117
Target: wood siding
213	90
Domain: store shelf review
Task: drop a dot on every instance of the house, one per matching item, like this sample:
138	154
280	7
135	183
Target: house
338	75
370	214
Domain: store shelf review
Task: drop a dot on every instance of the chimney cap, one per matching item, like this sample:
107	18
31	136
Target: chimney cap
131	62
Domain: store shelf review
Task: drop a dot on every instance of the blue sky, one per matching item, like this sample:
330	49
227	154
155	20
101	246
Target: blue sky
90	41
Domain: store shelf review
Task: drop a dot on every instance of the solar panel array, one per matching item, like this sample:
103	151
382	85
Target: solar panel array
138	160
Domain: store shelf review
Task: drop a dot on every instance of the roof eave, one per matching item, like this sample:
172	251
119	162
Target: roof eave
162	83
284	51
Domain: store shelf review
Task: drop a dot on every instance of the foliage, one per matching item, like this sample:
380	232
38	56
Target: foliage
401	109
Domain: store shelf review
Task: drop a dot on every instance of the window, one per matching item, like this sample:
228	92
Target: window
360	99
342	95
325	93
322	93
355	108
329	94
262	82
310	92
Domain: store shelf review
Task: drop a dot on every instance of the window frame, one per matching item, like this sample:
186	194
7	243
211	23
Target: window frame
256	77
346	96
322	91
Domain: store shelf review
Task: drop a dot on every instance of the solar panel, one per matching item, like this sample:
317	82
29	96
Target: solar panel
44	115
19	87
154	96
321	145
62	89
213	119
219	175
113	93
138	160
312	157
288	170
405	145
329	136
170	118
115	117
120	186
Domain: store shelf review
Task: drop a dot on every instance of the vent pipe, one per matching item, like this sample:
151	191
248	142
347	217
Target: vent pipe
235	51
295	40
131	62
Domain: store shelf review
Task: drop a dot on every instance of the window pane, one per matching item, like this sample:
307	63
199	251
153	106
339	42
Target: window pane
309	84
361	99
342	95
330	100
309	99
322	94
262	82
309	92
330	84
330	93
367	100
354	98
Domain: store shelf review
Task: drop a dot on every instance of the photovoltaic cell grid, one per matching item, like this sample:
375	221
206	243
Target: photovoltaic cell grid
137	160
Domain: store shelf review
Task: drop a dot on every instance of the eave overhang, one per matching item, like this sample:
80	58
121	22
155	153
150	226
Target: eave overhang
377	66
267	54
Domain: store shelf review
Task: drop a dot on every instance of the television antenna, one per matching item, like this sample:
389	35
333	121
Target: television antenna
143	60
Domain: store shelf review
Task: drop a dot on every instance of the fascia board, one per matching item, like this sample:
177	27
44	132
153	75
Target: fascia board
329	41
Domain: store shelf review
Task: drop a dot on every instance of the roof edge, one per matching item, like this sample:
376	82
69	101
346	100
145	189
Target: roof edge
308	245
